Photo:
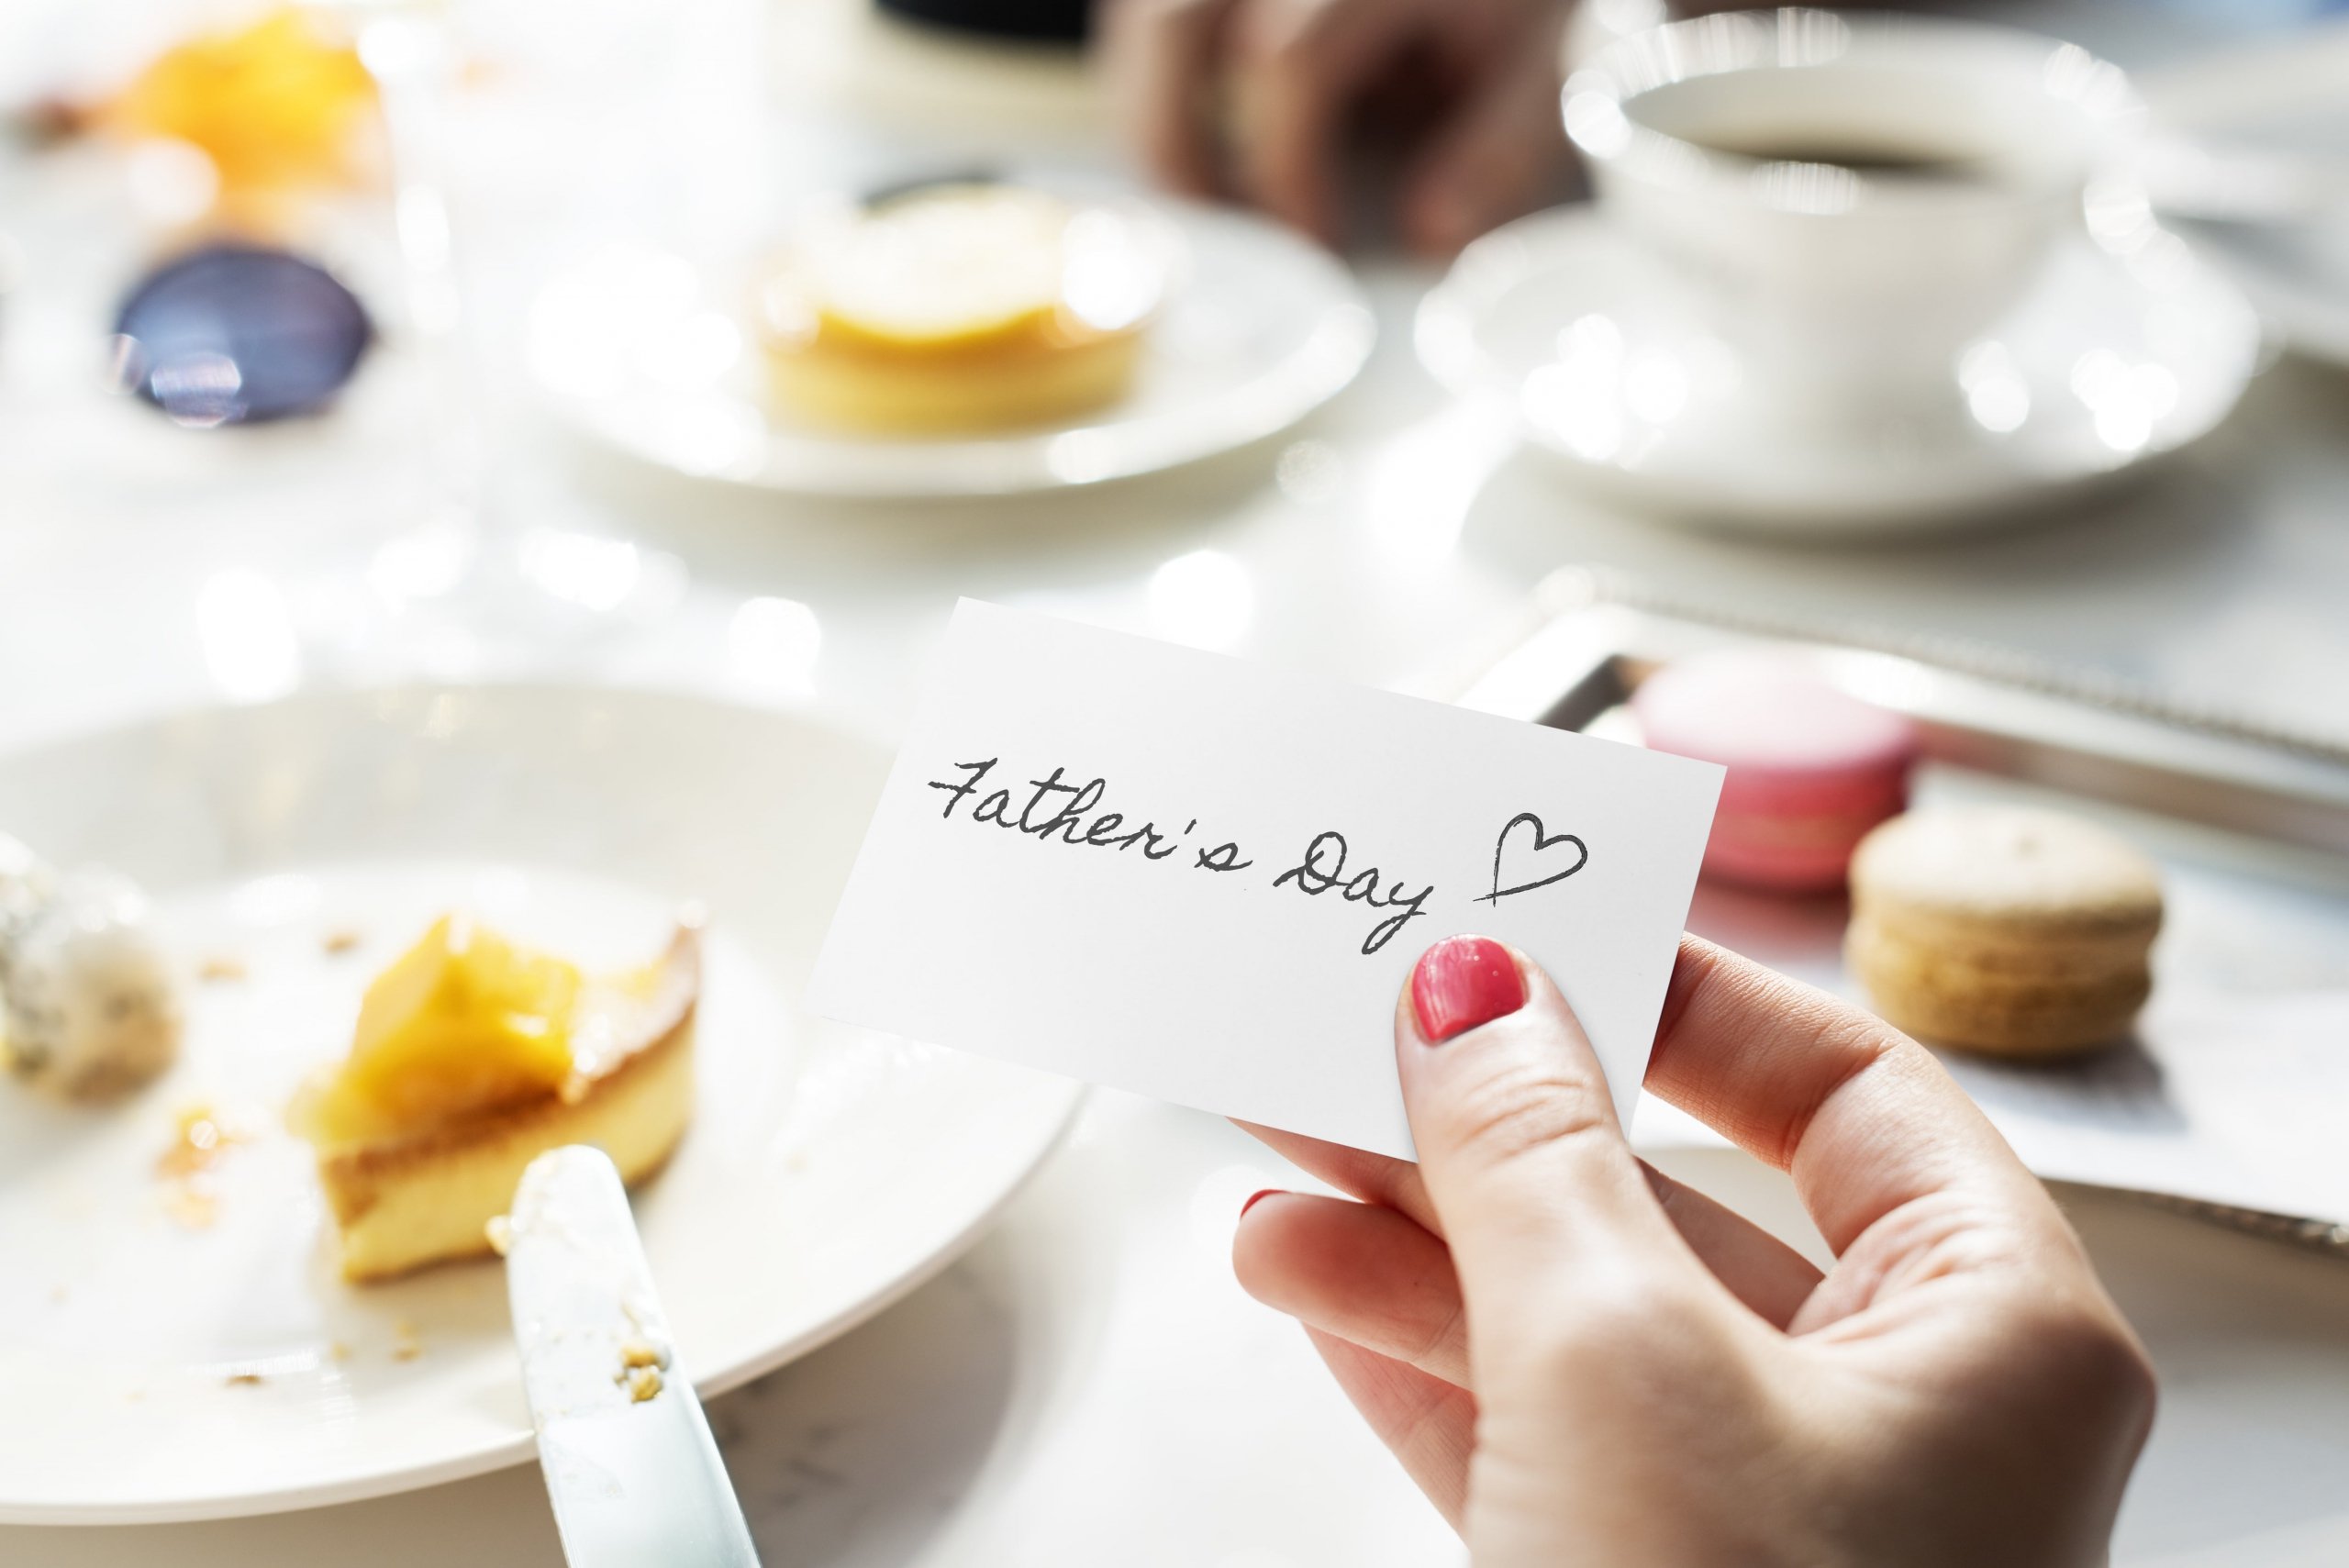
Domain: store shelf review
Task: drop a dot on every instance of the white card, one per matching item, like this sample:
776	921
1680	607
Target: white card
1207	880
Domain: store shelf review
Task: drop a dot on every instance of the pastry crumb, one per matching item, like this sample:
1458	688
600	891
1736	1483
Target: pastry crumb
641	1365
342	938
243	1379
221	966
405	1345
338	1351
500	1232
642	1352
203	1136
186	1168
191	1205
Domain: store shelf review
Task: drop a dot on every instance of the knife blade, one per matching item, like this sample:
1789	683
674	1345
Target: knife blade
630	1467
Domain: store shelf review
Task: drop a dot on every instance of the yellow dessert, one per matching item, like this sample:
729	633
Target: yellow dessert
276	104
959	309
472	1056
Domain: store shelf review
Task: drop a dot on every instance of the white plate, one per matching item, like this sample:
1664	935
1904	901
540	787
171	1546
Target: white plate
2106	363
153	1370
2297	274
644	353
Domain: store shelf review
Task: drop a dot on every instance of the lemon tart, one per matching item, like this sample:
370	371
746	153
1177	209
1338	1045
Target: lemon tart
280	104
959	309
472	1056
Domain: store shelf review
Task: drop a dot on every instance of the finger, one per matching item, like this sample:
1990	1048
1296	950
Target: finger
1503	154
1426	1423
1374	1178
1371	1275
1296	65
1363	1272
1770	1277
1862	1117
1541	1199
1160	59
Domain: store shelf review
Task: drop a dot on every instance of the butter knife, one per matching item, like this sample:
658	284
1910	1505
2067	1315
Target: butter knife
633	1473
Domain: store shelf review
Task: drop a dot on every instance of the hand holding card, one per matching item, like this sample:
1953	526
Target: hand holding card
1206	881
1528	1300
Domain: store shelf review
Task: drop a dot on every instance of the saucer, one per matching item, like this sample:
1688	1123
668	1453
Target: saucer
2297	274
2108	361
643	352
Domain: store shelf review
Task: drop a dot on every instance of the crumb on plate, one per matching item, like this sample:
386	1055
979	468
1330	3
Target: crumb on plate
191	1205
186	1168
202	1137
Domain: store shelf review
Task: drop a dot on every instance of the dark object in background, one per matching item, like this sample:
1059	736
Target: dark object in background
1066	20
880	196
239	334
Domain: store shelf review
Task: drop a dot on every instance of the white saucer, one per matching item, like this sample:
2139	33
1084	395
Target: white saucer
2106	364
2297	274
165	1364
642	351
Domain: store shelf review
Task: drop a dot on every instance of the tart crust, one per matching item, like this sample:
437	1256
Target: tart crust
403	1202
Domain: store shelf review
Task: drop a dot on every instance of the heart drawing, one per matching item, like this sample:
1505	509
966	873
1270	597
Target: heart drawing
1537	852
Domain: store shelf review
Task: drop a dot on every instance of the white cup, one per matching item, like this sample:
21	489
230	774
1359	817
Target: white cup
1854	280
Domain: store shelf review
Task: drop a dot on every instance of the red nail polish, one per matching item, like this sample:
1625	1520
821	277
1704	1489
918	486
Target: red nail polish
1463	982
1254	1198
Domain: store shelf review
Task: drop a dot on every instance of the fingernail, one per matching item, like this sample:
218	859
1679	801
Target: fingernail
1463	982
1254	1198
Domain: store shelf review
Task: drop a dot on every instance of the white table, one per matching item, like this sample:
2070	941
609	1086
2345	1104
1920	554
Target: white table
1088	1385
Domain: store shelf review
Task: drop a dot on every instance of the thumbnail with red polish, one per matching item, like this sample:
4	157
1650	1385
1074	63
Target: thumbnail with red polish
1463	982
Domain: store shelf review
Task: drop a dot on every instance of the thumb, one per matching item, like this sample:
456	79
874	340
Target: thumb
1545	1209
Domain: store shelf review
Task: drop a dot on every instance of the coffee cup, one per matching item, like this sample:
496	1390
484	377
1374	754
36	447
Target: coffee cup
1847	199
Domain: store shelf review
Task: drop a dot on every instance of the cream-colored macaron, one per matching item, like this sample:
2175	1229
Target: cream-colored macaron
2004	929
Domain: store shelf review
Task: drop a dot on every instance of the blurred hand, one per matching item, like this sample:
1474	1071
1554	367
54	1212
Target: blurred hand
1580	1361
1465	91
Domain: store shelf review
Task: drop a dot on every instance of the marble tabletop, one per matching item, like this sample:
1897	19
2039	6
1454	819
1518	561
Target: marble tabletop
1087	1385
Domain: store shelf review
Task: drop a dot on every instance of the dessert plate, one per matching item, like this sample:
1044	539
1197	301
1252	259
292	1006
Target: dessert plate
177	1344
2108	361
642	351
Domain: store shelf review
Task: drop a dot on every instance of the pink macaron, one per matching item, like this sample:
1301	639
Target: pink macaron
1811	768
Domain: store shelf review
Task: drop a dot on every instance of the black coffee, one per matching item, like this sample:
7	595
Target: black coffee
1859	156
